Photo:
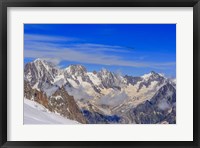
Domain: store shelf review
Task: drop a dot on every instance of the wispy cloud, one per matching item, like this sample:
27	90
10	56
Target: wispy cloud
92	58
55	61
43	42
114	98
99	47
45	38
42	47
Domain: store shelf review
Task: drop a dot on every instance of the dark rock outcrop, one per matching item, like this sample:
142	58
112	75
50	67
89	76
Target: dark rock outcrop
35	95
64	104
161	108
60	102
97	118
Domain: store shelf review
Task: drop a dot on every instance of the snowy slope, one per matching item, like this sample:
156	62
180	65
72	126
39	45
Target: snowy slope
35	113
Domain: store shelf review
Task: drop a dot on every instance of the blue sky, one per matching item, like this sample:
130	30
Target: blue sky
133	49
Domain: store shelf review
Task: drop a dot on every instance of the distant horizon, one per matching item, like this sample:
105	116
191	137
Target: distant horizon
129	49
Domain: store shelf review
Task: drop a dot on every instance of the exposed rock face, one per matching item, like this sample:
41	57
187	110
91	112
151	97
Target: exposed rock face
28	91
146	80
132	80
64	104
35	95
97	118
40	73
60	102
153	76
94	72
76	70
161	108
109	79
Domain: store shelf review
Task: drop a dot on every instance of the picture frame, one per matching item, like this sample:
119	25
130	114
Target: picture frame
4	62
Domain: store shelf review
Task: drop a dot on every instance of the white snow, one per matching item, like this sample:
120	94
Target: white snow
146	76
72	82
36	86
35	113
79	79
58	97
59	80
174	80
29	76
95	80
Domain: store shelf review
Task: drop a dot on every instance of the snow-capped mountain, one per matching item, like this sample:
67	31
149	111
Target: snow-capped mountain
75	70
148	79
160	108
40	73
110	80
103	92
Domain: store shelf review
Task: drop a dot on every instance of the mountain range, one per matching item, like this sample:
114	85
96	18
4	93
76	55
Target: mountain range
101	97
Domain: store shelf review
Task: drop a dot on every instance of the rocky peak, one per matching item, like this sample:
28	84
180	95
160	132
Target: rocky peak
151	76
64	104
40	73
38	60
153	73
46	64
94	72
147	79
167	87
108	79
167	93
160	108
104	71
132	80
77	70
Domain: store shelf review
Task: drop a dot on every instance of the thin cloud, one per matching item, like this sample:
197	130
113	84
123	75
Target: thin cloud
42	38
55	61
43	42
91	58
100	47
40	46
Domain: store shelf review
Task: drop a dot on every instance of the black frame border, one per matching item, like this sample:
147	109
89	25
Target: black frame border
99	3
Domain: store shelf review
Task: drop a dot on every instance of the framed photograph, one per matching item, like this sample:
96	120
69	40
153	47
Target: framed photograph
100	73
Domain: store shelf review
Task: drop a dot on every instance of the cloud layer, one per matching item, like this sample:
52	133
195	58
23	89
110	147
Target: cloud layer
59	49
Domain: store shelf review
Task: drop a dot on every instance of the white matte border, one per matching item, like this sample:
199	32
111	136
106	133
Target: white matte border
182	131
